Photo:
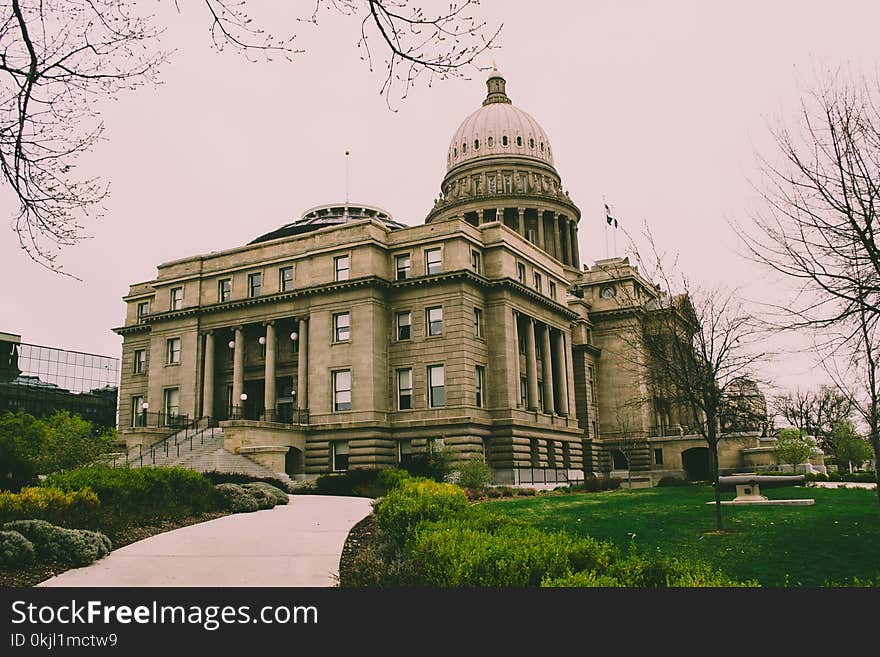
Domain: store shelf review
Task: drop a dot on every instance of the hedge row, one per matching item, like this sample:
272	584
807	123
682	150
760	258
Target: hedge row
77	508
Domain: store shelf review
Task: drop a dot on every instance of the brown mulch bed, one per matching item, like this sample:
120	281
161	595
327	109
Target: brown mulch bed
27	577
361	534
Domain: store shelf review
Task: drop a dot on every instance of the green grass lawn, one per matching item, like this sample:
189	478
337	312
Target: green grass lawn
832	541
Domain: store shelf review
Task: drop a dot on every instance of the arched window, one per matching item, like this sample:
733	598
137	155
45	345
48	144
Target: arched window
455	152
463	148
476	144
504	140
531	143
518	140
542	146
491	142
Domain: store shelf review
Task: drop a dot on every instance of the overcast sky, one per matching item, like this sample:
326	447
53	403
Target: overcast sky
660	109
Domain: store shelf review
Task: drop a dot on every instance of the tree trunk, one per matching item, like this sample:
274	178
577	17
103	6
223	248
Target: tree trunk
713	449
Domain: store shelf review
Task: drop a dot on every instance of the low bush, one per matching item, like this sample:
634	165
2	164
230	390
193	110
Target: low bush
361	482
78	508
392	478
264	500
237	499
474	473
274	493
131	495
216	477
596	485
855	477
15	550
70	547
414	501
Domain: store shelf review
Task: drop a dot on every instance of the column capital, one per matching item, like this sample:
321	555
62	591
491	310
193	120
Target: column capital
208	332
269	322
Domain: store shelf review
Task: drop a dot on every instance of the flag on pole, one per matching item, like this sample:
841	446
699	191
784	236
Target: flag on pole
608	216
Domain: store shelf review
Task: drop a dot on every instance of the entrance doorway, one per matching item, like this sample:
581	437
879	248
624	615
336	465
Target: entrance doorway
696	463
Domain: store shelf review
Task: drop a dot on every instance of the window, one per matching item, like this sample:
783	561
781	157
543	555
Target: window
532	235
143	309
593	398
404	452
173	351
619	460
531	143
402	263
521	272
518	140
172	404
504	140
658	456
176	298
480	384
255	284
224	290
463	147
140	361
285	279
538	286
437	385
476	144
342	390
137	411
508	185
404	325
434	320
595	430
523	392
339	455
490	142
552	290
341	327
478	323
491	184
433	261
341	266
404	389
475	261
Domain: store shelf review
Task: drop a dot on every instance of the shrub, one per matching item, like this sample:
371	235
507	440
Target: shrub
361	482
237	499
216	477
655	571
72	547
414	501
672	481
15	550
597	484
582	579
277	495
141	494
474	473
392	478
78	508
525	492
263	499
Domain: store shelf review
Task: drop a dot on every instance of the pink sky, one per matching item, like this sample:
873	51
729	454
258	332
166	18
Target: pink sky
657	108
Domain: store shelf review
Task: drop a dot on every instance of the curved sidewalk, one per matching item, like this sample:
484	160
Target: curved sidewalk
294	545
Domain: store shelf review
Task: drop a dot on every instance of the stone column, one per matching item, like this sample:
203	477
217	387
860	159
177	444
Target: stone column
521	221
576	255
208	383
557	241
564	239
238	372
270	396
499	215
541	243
560	370
531	366
302	378
547	370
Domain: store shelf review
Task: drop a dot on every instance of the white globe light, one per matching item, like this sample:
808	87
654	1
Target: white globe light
294	335
145	405
232	344
243	396
262	340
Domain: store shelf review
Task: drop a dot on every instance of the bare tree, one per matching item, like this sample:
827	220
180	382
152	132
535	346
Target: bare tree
61	58
627	441
815	413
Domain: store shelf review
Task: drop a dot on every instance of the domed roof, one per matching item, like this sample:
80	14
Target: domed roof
323	216
498	128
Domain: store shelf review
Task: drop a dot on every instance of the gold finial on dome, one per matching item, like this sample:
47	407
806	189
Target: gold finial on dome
495	84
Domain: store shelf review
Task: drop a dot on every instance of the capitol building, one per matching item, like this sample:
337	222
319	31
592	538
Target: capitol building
347	339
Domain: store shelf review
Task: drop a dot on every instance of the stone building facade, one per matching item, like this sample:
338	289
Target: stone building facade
348	340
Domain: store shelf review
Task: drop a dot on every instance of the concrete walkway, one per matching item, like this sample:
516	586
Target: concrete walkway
294	545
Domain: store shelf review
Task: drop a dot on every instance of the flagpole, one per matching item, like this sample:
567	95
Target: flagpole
606	228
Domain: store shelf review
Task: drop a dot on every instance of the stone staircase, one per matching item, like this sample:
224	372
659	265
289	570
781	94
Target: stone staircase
202	451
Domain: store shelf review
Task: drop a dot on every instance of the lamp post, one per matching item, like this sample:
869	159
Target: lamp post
243	400
144	408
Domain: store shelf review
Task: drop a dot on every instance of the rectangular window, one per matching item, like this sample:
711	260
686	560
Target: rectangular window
341	327
339	449
595	430
538	286
478	323
480	375
475	262
172	404
255	284
341	266
437	385
140	361
532	235
508	186
658	456
402	264
492	184
552	290
342	390
540	394
593	399
433	261
404	325
434	320
404	452
224	290
173	351
523	392
285	278
143	309
521	272
404	389
137	411
176	298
